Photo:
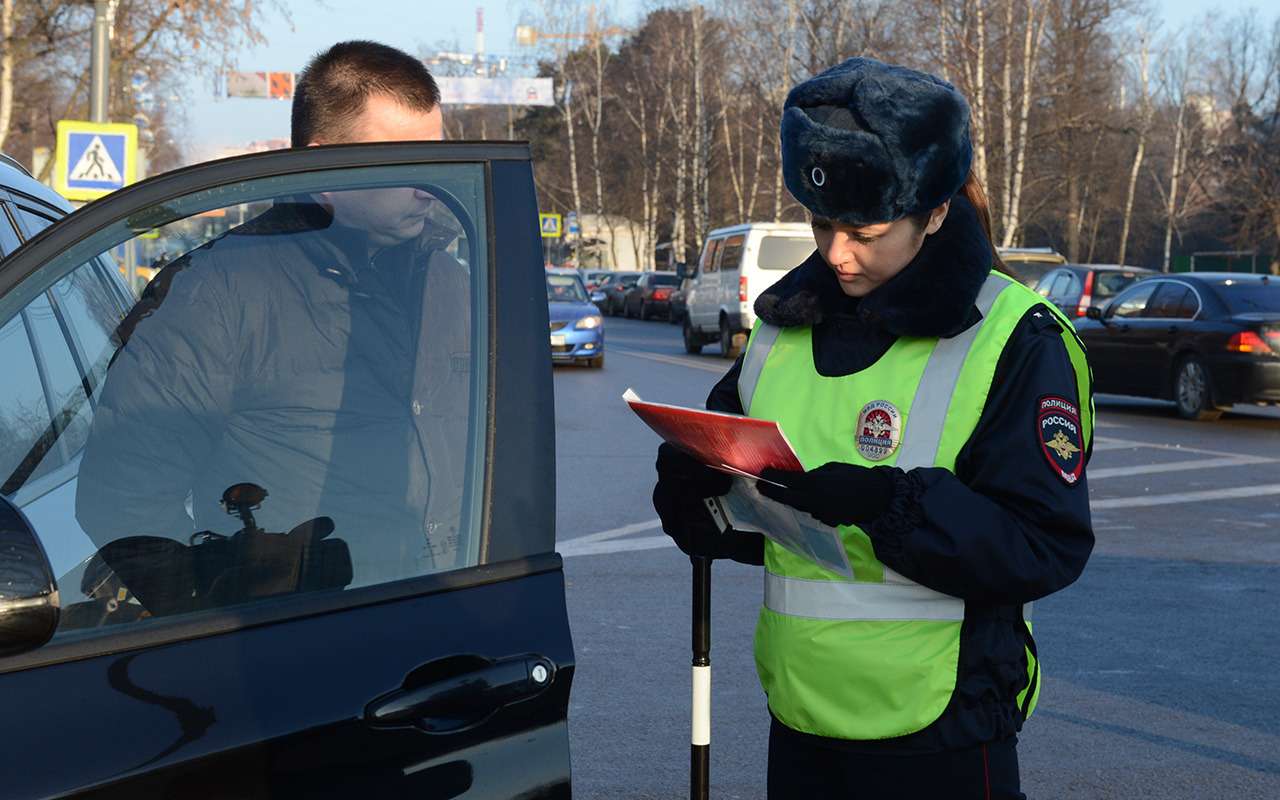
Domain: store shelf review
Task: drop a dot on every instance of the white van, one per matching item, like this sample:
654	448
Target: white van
738	264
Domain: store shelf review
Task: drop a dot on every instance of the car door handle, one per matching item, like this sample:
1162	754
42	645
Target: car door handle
464	699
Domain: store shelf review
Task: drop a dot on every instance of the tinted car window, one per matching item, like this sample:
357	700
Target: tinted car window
32	220
24	409
664	280
314	426
1109	284
731	258
784	252
1132	303
9	240
710	263
1243	297
1168	300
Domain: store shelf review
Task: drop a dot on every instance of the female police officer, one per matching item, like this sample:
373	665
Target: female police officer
944	415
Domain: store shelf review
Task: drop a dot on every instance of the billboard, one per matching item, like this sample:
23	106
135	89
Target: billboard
496	91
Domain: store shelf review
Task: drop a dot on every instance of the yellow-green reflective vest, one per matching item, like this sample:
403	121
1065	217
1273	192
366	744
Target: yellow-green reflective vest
875	657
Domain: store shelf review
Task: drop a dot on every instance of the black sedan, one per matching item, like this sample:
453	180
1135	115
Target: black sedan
651	296
1204	340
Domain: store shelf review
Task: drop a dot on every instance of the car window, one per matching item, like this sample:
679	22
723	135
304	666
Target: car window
258	432
24	409
1190	305
1108	284
1074	286
1133	302
1167	300
784	252
731	253
565	289
710	255
627	281
9	240
30	219
1045	283
664	280
1243	297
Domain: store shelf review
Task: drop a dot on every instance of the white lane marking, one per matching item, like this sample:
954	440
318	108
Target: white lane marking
1186	497
624	546
1108	443
613	533
1176	466
676	360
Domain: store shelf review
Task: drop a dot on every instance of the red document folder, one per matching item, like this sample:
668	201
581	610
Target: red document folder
731	443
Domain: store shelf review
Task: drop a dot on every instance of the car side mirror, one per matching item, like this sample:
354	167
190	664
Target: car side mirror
28	592
1094	312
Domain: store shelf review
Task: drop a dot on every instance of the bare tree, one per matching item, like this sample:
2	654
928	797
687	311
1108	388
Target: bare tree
7	43
1144	128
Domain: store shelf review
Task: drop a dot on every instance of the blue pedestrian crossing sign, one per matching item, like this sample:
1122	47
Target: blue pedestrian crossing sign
550	224
94	158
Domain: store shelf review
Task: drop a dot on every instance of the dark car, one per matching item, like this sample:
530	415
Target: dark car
1204	340
615	292
1075	287
246	642
594	279
651	295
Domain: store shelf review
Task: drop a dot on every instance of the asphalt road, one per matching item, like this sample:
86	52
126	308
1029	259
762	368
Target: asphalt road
1160	674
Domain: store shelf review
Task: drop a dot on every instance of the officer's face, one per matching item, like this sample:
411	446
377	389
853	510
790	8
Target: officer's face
866	257
392	215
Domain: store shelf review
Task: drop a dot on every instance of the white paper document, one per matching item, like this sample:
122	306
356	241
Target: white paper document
745	509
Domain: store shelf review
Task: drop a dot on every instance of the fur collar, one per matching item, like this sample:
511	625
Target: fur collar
932	296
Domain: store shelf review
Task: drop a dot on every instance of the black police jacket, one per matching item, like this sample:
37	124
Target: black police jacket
1005	528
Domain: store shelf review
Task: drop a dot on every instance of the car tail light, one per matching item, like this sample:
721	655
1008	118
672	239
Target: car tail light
1247	342
742	289
1086	299
661	294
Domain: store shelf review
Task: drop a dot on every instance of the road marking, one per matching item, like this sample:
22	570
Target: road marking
1108	443
624	546
1186	497
1176	466
612	533
676	360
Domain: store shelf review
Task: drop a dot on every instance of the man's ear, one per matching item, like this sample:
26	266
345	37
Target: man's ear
937	217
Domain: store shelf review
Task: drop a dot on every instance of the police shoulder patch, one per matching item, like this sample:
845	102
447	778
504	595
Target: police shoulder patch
1060	437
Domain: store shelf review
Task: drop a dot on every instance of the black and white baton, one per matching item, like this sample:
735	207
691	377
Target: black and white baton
700	740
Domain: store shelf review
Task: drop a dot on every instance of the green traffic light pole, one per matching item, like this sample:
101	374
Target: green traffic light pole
700	739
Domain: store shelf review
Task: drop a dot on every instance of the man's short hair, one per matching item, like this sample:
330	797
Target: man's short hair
331	92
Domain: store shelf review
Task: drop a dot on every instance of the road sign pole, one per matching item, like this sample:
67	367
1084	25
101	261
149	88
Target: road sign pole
700	739
100	59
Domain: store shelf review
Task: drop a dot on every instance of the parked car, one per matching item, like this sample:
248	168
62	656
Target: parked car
1075	287
1204	340
615	291
651	296
204	652
577	329
737	264
1029	264
595	278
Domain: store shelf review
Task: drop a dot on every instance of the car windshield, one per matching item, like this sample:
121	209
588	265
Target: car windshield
1029	272
565	289
1107	284
1244	297
627	280
664	280
784	252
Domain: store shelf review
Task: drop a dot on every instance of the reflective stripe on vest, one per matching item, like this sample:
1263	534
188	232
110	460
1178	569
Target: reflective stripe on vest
842	600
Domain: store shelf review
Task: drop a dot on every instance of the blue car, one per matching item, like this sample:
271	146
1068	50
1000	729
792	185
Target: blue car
577	329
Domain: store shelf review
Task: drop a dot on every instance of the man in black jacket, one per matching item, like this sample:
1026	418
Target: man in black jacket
321	351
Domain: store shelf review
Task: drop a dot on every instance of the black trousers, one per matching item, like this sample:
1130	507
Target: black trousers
808	768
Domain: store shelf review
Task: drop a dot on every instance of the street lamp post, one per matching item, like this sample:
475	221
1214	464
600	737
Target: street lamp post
104	12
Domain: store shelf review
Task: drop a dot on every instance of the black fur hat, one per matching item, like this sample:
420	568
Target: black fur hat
867	142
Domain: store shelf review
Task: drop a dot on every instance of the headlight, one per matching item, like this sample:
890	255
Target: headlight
587	323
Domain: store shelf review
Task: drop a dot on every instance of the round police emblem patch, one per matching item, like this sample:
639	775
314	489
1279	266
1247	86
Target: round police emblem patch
879	430
1061	439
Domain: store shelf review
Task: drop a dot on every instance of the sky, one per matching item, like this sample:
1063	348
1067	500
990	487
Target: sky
414	26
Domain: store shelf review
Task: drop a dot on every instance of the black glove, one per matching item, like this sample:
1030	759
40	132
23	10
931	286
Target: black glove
835	493
683	484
